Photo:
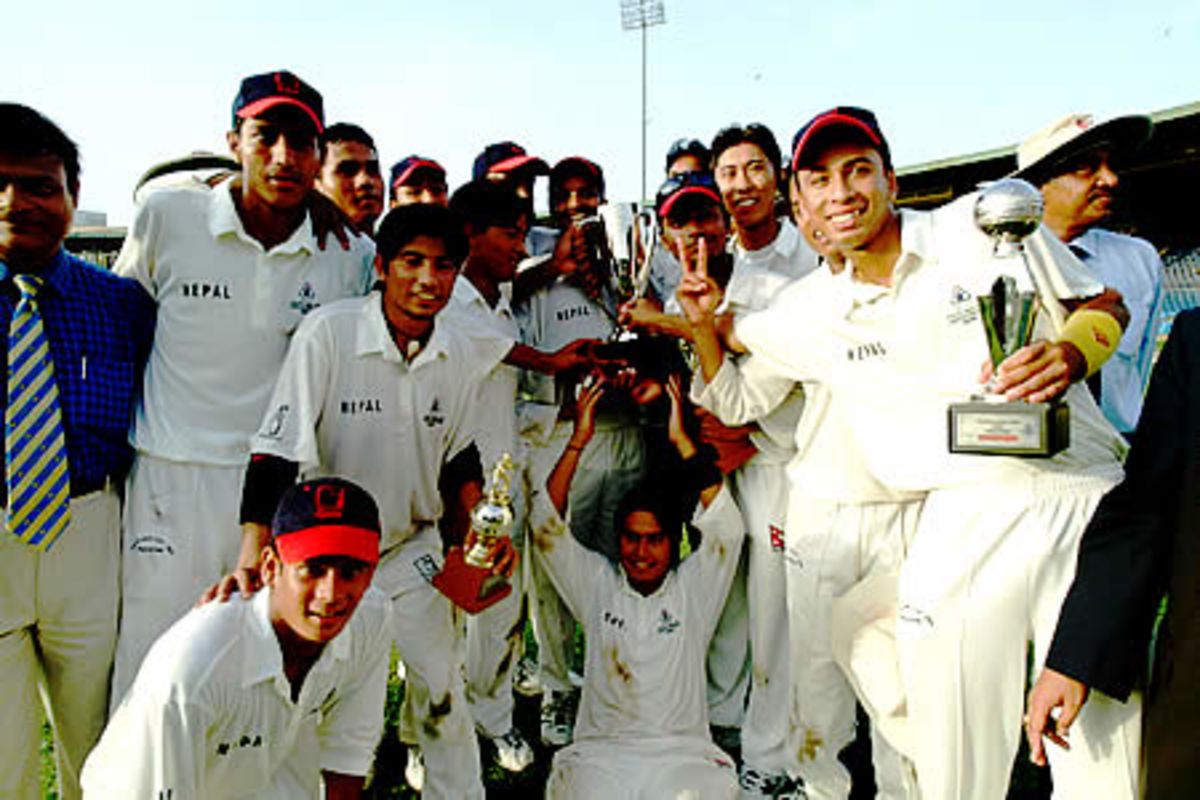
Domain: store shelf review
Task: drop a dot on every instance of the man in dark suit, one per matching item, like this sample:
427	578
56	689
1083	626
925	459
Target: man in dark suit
1141	543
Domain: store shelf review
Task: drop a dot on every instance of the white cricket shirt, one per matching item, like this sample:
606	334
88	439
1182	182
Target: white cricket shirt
894	357
645	672
211	717
348	404
494	332
226	309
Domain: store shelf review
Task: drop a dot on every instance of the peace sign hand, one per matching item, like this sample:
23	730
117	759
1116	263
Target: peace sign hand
698	294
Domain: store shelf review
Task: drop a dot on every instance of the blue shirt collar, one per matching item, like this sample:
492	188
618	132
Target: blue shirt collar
57	274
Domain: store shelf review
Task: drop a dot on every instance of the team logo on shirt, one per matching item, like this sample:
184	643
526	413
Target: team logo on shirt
914	616
865	351
574	312
224	748
369	405
667	624
433	417
963	307
306	299
203	290
426	567
275	422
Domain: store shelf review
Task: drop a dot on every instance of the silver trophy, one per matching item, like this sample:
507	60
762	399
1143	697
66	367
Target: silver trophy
1008	211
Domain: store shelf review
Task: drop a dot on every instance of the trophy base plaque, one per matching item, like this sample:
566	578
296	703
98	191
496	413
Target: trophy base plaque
469	587
1018	428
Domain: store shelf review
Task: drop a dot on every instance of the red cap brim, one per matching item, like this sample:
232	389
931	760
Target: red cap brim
328	540
669	203
403	177
259	106
517	162
833	120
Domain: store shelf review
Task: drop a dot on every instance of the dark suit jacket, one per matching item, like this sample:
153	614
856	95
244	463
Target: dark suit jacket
1144	541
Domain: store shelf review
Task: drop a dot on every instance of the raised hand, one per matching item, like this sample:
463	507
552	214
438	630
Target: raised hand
698	293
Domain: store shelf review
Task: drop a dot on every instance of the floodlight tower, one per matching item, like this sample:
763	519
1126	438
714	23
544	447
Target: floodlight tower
640	15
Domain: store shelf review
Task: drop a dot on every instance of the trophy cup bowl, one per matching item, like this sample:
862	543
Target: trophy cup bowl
467	580
1008	212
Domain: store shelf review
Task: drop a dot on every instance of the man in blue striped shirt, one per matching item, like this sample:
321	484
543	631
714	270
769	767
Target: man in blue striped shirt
58	604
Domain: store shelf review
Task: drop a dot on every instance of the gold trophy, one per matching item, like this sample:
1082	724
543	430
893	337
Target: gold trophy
467	579
1008	211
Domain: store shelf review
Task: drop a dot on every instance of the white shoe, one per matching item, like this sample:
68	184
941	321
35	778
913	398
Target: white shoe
513	753
414	770
526	680
558	717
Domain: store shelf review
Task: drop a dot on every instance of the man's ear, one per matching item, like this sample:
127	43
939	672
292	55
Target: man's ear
271	565
380	267
893	185
232	138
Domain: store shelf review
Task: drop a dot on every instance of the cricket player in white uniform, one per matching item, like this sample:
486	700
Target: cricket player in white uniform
271	696
233	272
896	340
380	390
643	724
769	253
496	222
573	300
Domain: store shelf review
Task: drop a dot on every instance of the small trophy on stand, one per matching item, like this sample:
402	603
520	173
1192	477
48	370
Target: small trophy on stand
467	579
1008	211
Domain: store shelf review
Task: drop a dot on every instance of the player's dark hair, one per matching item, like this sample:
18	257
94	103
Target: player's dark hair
24	133
403	224
662	504
755	134
343	132
487	204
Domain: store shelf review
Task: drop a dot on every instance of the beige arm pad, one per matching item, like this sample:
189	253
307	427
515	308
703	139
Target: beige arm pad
1096	333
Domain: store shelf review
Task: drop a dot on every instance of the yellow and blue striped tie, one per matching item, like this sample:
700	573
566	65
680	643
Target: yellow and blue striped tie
35	449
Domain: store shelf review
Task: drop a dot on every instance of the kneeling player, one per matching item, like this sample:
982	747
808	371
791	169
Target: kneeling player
642	729
265	697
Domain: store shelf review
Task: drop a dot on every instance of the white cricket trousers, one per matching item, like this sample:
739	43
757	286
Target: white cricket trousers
58	627
986	574
435	712
832	548
496	635
181	535
761	491
636	769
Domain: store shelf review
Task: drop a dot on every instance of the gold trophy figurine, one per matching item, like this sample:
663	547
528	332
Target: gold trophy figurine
467	579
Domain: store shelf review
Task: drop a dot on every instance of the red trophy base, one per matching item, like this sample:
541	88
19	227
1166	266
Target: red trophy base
470	588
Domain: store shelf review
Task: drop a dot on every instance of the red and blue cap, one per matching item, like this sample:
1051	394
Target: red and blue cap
261	92
403	171
505	157
677	187
843	123
326	517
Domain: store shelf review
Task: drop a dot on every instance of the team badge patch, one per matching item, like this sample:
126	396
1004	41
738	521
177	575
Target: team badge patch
426	567
433	417
306	299
667	623
963	307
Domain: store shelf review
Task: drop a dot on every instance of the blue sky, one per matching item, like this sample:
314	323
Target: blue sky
136	82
